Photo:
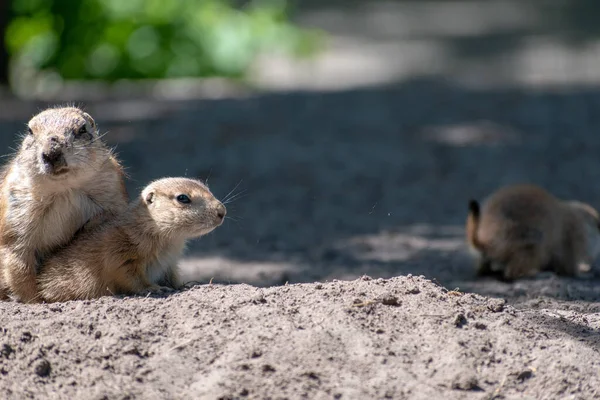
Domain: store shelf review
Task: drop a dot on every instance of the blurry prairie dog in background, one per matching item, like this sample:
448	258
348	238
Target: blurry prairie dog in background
138	251
62	177
521	230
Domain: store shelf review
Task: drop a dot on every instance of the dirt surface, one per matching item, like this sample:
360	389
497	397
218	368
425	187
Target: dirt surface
333	186
365	339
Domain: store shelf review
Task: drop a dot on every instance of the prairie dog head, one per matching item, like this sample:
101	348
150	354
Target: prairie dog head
182	207
591	219
61	144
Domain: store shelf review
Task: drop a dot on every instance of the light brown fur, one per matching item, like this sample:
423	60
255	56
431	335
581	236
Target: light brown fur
522	230
44	203
138	250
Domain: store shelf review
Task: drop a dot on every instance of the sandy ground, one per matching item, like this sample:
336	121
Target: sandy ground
334	186
365	339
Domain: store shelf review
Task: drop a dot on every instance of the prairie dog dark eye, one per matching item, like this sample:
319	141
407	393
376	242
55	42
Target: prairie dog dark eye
183	199
81	131
29	131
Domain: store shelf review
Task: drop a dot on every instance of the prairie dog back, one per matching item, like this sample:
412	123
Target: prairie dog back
523	229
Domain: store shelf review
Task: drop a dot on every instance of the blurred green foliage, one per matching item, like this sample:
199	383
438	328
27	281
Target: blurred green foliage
135	39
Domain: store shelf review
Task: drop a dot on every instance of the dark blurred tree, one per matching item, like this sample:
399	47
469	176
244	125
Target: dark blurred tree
4	17
138	39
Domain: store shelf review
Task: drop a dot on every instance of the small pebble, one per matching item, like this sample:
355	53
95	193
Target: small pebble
256	354
42	368
496	305
259	299
460	320
26	337
390	301
524	375
268	368
466	382
6	350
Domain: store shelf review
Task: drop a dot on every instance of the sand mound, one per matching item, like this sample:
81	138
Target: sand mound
405	337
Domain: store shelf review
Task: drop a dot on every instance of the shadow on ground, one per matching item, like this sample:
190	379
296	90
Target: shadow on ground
336	185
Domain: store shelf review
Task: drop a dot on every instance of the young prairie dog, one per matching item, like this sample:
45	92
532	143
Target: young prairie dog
62	177
138	250
522	229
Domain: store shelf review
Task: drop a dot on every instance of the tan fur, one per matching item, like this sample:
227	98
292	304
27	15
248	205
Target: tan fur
41	206
523	229
138	250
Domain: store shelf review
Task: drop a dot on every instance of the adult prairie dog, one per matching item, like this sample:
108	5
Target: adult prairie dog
138	250
522	229
62	177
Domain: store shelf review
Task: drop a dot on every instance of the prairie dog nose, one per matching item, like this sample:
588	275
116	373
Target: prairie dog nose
221	211
52	156
52	153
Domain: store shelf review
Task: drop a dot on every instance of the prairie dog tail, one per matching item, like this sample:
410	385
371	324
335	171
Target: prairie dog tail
473	224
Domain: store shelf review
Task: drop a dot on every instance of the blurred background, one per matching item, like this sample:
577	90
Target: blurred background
347	135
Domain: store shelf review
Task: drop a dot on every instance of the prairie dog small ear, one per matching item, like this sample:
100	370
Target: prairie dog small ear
89	119
90	123
149	197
